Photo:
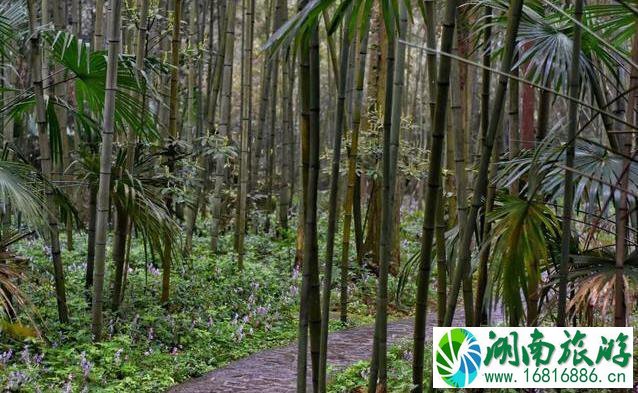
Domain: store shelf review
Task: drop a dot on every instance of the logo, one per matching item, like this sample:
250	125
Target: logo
458	357
503	357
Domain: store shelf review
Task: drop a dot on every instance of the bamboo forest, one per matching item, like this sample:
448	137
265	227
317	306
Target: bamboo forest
326	196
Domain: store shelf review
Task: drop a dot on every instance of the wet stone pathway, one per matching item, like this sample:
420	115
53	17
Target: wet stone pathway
274	370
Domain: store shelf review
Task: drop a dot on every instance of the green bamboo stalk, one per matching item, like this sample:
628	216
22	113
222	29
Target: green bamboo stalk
395	75
433	192
45	160
339	126
352	175
480	183
106	152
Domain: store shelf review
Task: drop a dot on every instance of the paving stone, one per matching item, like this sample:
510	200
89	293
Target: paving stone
274	370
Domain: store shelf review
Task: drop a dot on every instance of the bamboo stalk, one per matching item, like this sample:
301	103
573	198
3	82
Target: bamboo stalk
106	152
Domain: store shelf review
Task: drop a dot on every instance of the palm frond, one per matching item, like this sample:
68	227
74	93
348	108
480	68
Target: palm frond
88	71
593	277
13	23
23	188
520	239
596	174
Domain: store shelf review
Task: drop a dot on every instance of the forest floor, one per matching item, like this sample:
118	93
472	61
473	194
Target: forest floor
274	371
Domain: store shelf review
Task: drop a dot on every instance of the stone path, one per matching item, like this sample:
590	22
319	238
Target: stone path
274	371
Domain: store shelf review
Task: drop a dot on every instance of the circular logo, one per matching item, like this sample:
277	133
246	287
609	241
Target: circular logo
458	357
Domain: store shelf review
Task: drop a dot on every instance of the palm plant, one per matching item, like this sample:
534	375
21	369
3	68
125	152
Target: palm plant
13	25
593	277
547	33
21	188
596	172
523	233
137	193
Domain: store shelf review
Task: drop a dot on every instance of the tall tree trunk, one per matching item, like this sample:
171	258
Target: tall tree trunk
122	217
285	141
527	114
75	17
264	100
514	126
246	123
106	151
90	253
167	252
286	179
441	226
60	162
304	126
98	25
433	192
8	96
441	261
224	124
204	109
45	160
288	168
458	147
188	134
219	65
395	75
375	99
352	173
119	254
481	310
480	314
570	153
344	57
309	311
480	184
270	146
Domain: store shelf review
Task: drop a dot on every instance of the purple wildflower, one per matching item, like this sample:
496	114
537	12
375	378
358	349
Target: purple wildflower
261	310
6	356
24	355
17	379
37	359
86	365
68	387
118	356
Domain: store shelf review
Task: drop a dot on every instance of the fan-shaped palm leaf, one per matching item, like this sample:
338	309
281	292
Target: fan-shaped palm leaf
546	37
520	239
297	27
138	191
22	186
615	21
596	173
593	277
13	23
88	71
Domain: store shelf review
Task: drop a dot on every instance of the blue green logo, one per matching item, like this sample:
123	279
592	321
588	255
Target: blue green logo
458	357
